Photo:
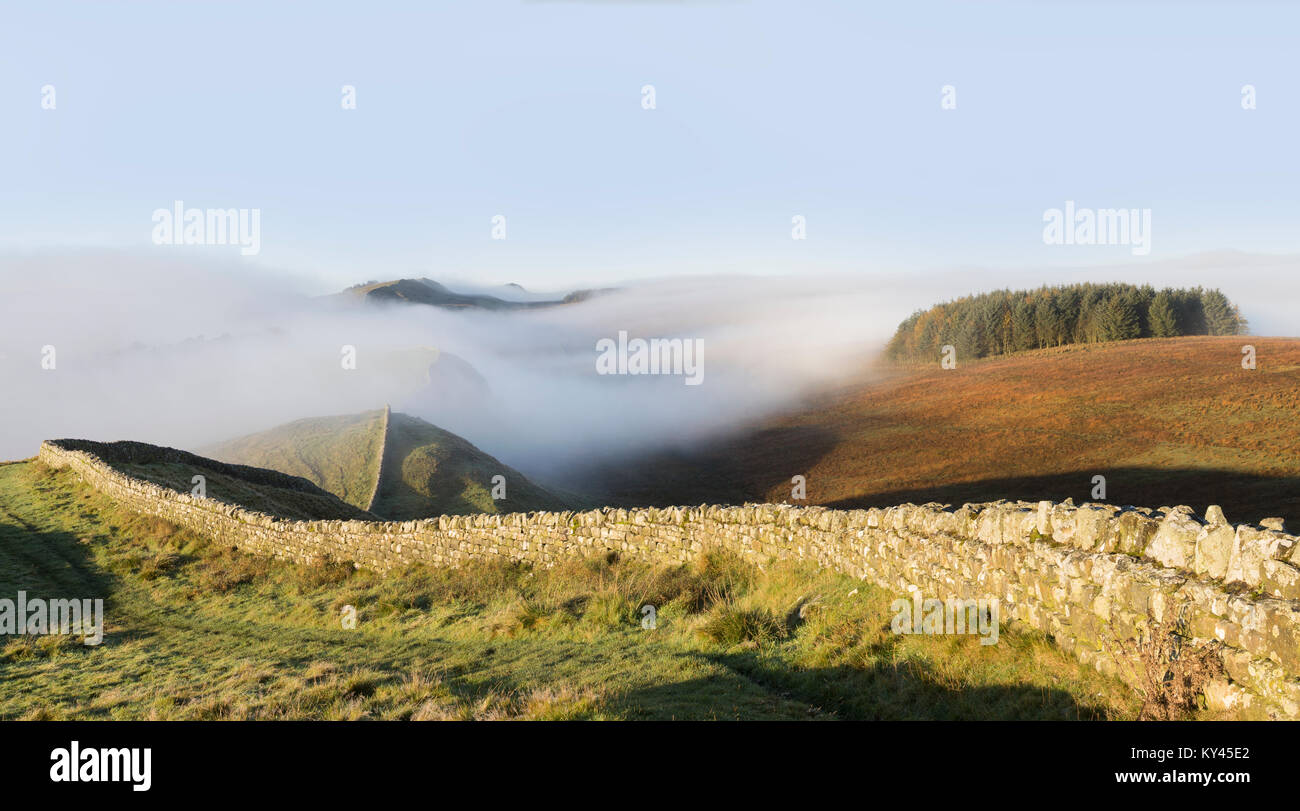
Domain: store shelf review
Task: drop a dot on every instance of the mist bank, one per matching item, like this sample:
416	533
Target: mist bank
187	353
184	355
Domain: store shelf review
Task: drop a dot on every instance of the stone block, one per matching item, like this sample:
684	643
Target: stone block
1250	548
1214	546
1174	544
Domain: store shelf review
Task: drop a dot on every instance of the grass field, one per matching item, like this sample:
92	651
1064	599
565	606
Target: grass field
259	496
429	471
1167	422
196	630
338	454
423	471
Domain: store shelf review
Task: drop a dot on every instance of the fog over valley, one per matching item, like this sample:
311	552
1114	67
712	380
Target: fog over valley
185	353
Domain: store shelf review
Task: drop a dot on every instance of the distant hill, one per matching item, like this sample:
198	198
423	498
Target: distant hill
431	293
254	488
396	466
1006	321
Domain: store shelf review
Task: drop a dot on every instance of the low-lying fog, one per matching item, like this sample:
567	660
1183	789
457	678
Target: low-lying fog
187	353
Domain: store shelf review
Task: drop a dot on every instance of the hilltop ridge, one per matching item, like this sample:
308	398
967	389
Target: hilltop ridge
258	489
427	291
391	464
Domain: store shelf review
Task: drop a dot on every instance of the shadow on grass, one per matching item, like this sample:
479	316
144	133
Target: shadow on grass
907	692
50	565
728	471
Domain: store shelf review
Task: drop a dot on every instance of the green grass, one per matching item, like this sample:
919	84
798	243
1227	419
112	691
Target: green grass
196	630
260	496
338	454
429	471
426	471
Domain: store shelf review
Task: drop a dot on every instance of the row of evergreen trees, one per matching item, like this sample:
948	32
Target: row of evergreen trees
1005	321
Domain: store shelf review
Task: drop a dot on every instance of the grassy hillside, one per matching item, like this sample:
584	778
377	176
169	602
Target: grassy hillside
266	491
196	630
426	471
1171	421
339	454
429	471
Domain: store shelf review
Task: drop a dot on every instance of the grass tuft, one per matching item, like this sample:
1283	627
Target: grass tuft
729	625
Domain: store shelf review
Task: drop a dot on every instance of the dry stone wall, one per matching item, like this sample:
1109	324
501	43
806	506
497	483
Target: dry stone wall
379	469
1087	575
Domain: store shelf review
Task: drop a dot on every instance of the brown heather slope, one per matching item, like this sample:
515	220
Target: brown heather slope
1166	421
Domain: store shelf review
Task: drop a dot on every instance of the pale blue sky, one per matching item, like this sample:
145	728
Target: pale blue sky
764	110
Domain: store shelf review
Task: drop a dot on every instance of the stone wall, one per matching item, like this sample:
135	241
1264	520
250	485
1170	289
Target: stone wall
1087	575
383	449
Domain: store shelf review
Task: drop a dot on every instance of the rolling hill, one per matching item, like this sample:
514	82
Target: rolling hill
267	491
429	471
1165	421
393	465
338	454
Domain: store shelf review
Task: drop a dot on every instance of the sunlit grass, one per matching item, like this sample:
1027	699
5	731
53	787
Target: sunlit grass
196	630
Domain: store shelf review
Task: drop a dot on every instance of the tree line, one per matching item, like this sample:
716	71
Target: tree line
1007	321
